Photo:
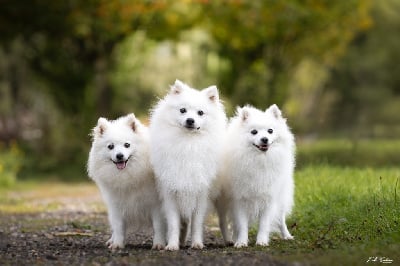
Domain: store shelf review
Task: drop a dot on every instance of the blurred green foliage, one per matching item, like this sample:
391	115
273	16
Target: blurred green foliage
265	40
346	152
331	65
365	83
11	158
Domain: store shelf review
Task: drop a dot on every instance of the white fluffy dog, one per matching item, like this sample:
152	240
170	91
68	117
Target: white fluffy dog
257	174
119	164
186	130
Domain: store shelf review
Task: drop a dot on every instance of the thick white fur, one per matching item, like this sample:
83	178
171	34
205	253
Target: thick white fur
257	185
130	194
185	160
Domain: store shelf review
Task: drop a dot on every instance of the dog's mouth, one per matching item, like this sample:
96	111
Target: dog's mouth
192	127
262	147
121	164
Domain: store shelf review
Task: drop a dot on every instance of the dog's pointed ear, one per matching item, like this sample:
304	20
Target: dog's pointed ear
212	93
243	113
131	121
100	128
178	87
275	111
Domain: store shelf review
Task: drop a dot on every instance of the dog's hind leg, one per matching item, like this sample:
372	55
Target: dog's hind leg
222	211
283	228
183	232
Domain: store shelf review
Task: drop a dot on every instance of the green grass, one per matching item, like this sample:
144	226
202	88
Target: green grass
344	215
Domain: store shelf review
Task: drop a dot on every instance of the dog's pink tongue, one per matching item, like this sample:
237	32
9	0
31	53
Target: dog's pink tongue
121	165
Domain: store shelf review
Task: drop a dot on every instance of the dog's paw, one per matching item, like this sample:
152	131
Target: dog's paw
289	237
113	246
240	244
197	245
171	247
158	246
229	243
262	243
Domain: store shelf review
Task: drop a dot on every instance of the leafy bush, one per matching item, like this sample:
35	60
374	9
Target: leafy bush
11	159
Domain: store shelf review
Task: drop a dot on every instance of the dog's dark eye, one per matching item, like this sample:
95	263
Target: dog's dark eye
110	146
270	131
182	110
254	132
127	145
200	113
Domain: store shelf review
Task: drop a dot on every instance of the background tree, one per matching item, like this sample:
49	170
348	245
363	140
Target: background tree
365	84
64	64
265	40
69	47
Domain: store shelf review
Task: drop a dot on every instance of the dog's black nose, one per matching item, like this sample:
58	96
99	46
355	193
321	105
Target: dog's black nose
264	140
190	121
120	156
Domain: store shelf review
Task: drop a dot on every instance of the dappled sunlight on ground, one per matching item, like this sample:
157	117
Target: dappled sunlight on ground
28	198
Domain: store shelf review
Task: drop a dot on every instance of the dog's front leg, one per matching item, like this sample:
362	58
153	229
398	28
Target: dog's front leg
159	228
241	225
198	221
173	221
264	227
118	230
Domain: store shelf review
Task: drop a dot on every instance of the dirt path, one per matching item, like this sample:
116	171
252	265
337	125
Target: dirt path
74	233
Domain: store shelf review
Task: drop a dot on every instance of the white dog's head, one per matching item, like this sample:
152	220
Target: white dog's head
190	109
262	130
115	140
